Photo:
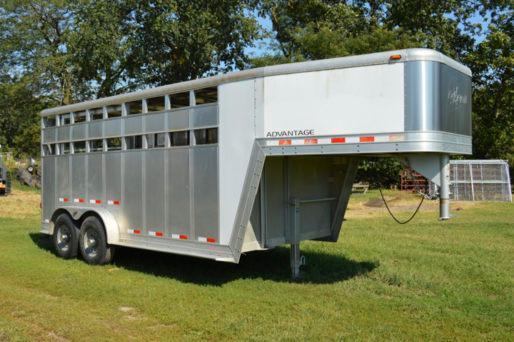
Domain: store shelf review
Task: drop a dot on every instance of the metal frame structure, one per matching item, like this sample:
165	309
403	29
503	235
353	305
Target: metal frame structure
253	159
469	180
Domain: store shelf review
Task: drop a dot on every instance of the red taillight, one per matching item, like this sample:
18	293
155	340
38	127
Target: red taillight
338	140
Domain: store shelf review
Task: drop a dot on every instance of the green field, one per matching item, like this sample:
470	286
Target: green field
425	280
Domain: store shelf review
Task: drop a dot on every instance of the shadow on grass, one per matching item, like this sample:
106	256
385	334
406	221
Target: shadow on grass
322	268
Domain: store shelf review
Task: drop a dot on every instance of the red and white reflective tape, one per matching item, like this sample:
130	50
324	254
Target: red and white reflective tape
356	139
95	201
113	202
134	231
79	200
206	239
64	199
156	234
180	236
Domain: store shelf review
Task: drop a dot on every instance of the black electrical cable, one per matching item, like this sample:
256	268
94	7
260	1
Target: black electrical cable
390	213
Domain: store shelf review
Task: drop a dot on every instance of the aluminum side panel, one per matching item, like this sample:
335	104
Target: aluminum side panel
49	196
346	101
236	139
133	125
112	176
178	192
132	202
63	189
95	129
63	133
276	200
94	175
204	116
79	132
112	127
312	177
78	167
178	119
154	190
206	200
49	134
155	122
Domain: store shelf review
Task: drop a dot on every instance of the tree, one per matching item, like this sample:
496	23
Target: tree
180	40
493	103
19	120
74	51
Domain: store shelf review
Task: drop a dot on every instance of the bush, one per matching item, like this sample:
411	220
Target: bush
380	172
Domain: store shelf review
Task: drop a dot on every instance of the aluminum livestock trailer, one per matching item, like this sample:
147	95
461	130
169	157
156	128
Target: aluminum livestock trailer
249	160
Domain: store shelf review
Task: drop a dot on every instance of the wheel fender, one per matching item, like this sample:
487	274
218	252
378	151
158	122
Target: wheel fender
112	229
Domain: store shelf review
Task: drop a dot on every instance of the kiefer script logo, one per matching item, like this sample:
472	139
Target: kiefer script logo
290	133
455	98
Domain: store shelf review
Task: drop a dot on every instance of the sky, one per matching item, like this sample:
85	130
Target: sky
262	46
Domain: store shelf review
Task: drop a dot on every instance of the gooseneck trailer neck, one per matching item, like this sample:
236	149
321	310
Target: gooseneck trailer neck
248	160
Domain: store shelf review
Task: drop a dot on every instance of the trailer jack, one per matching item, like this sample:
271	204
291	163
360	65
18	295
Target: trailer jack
297	261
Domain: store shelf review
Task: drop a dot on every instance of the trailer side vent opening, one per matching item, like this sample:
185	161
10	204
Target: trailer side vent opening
248	160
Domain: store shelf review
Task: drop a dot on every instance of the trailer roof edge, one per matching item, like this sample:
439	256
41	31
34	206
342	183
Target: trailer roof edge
417	54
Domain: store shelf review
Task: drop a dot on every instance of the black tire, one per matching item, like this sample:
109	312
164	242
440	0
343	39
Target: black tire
66	237
93	242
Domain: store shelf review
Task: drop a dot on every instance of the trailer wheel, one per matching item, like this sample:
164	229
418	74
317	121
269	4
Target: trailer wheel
65	237
93	242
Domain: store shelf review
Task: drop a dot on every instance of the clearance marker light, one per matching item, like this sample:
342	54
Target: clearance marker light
179	236
338	140
156	234
206	239
395	57
366	139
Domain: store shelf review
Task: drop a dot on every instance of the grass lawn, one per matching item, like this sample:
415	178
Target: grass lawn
424	280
